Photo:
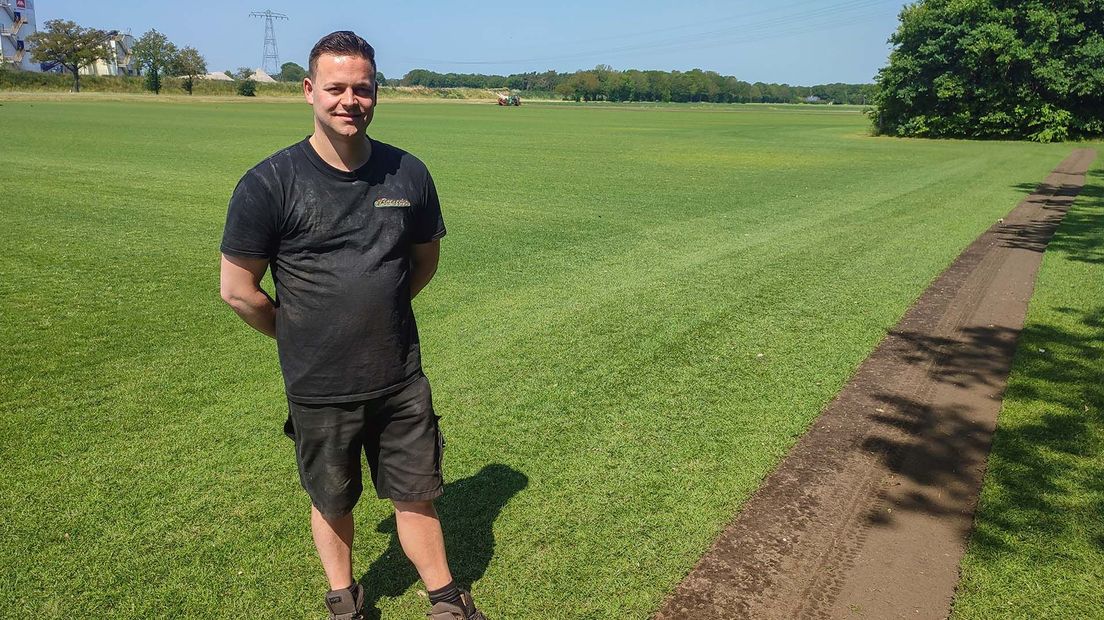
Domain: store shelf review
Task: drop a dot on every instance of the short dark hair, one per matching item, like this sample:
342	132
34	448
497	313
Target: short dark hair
341	43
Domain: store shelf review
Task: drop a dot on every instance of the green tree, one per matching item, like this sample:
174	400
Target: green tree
69	45
156	54
638	83
994	69
568	89
188	64
603	77
247	86
291	72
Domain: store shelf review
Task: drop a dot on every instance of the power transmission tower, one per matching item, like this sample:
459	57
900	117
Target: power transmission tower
271	53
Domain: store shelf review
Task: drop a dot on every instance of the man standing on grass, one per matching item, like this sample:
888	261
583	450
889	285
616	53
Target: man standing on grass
350	228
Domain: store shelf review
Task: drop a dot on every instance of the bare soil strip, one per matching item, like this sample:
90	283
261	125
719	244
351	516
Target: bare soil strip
869	514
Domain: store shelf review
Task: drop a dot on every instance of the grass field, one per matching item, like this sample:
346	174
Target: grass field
1038	550
638	311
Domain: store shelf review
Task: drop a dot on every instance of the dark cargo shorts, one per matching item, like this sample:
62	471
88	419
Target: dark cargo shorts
398	434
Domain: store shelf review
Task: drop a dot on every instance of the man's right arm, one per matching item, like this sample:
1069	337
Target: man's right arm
240	286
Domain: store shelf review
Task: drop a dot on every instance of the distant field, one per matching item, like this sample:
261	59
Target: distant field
638	311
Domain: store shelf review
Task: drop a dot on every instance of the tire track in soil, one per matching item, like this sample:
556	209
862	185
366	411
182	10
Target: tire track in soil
869	514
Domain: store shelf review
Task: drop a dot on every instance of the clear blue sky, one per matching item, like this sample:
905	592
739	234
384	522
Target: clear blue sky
800	42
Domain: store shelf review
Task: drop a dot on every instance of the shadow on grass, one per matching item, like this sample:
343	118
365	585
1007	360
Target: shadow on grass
1040	469
468	510
1077	240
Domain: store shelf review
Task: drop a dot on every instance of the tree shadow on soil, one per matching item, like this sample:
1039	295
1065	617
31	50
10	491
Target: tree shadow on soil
468	510
940	447
978	357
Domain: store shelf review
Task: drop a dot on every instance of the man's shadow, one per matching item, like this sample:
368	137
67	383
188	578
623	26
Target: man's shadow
468	510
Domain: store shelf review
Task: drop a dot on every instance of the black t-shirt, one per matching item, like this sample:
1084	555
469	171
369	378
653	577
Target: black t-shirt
339	246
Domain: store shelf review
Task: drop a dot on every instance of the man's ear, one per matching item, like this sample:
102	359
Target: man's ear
308	90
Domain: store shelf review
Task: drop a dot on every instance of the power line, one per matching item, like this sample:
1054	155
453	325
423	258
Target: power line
710	22
814	19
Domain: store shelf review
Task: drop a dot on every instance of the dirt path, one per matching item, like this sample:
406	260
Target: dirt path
869	514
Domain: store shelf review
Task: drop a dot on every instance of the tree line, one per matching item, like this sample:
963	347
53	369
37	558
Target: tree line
294	72
604	83
70	47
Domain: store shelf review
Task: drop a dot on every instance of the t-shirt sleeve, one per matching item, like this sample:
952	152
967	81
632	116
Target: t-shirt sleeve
251	229
429	224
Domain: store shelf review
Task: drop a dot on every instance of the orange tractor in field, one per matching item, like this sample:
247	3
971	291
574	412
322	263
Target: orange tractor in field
508	99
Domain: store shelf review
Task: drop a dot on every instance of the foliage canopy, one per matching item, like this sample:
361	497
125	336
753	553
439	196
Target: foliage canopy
69	45
189	64
156	54
1008	69
291	72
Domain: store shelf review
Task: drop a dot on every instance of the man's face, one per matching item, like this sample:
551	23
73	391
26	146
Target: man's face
342	92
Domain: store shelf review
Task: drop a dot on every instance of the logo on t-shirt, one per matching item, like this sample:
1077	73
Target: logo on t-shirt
391	202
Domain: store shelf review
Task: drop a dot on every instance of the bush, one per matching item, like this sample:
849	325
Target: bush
247	87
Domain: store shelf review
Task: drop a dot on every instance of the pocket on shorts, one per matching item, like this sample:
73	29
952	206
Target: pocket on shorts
440	447
289	427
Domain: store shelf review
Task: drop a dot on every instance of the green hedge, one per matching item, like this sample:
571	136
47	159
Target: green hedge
52	82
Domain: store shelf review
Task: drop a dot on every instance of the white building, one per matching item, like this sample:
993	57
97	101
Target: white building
119	61
259	75
17	22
